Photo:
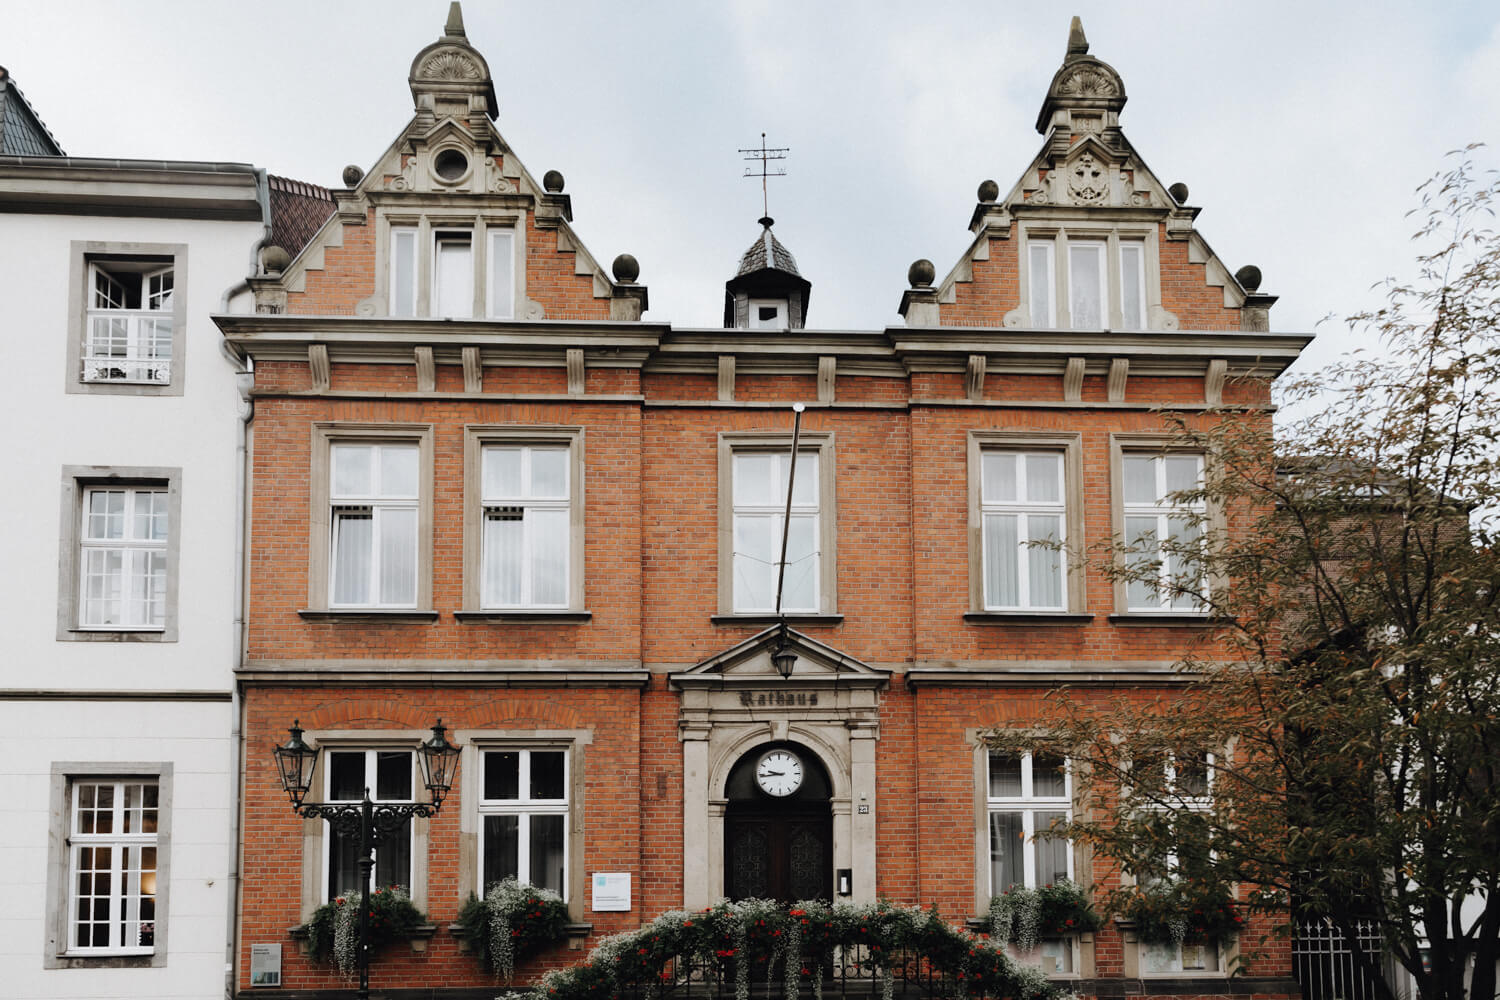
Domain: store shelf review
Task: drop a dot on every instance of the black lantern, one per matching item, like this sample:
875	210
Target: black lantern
296	761
439	760
784	658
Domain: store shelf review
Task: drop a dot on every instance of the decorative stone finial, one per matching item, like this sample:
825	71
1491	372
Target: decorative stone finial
353	175
767	221
988	191
1083	84
1078	45
274	259
552	180
455	26
1248	277
1179	192
626	269
921	273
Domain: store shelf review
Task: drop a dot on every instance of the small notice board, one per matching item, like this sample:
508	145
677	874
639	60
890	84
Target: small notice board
611	891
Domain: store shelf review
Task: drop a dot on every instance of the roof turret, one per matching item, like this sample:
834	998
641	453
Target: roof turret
767	271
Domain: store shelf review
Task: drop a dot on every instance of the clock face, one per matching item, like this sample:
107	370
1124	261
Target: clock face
779	773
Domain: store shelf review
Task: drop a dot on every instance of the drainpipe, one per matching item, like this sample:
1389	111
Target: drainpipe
244	379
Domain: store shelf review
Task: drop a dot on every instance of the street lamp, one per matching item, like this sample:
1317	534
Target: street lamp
369	821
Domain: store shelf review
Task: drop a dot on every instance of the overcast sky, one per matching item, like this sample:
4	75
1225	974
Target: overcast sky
1301	128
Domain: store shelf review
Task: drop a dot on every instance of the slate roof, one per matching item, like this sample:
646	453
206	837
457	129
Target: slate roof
767	252
22	131
298	211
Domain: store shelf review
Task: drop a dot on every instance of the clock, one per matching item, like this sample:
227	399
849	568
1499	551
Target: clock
779	773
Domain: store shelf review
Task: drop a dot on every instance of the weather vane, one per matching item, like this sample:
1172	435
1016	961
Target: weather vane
765	155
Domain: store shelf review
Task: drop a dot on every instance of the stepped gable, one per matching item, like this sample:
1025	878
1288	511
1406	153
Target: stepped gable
1087	182
22	131
449	169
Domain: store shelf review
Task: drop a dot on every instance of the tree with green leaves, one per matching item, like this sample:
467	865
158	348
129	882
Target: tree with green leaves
1333	746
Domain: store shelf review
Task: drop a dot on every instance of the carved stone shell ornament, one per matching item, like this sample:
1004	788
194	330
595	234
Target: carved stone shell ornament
449	66
1087	82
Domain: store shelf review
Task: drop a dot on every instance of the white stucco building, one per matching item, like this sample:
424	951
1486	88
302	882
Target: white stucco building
122	507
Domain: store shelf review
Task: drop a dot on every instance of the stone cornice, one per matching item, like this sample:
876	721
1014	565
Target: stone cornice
147	188
446	673
656	347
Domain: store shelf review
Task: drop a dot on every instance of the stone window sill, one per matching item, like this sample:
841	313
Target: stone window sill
770	619
1026	618
394	616
1149	619
520	616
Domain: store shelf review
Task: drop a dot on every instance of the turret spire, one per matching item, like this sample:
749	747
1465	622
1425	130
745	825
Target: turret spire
1078	45
455	26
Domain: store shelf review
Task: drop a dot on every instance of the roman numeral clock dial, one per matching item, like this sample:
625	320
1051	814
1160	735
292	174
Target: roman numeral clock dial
779	773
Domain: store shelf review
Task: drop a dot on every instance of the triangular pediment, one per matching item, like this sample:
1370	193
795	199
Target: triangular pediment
749	664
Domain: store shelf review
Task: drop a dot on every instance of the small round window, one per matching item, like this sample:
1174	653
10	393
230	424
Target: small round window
450	165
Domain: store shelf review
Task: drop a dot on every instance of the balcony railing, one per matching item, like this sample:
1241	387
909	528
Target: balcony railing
128	345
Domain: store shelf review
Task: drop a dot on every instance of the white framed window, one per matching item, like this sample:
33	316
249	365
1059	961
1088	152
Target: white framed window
527	526
1088	285
1027	794
1203	958
1055	956
453	273
1023	514
128	336
1160	531
500	299
1132	285
403	268
112	866
1090	278
768	314
123	558
374	501
389	776
760	482
1042	283
523	817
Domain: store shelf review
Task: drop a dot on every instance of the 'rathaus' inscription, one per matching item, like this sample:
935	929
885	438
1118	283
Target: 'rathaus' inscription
774	698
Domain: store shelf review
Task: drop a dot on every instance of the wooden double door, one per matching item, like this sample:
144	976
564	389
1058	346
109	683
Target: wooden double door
776	850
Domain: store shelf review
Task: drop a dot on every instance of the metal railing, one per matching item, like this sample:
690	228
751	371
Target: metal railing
128	345
1324	965
850	971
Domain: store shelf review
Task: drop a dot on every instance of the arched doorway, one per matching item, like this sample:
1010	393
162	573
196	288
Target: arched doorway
778	826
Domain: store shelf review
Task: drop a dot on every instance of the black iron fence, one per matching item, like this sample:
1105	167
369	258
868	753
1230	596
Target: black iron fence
1324	962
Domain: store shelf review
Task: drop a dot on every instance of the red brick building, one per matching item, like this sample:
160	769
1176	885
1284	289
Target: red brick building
484	489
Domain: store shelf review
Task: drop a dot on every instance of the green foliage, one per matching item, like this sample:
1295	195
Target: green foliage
1025	916
1179	912
752	940
1349	694
512	922
333	929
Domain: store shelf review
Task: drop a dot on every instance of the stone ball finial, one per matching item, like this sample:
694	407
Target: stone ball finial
1179	191
1248	277
626	269
988	191
552	180
274	259
352	175
921	273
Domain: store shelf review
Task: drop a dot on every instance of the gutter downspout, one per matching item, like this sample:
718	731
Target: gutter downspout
244	378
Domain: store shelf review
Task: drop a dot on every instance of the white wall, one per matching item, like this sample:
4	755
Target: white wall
48	429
